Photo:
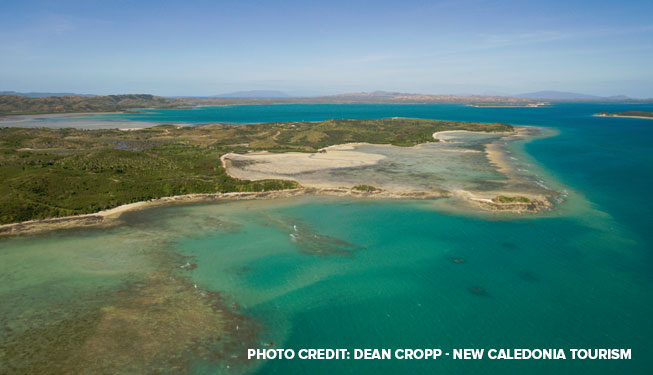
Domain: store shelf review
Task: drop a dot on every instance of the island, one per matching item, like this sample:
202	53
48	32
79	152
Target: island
627	114
85	176
508	105
22	105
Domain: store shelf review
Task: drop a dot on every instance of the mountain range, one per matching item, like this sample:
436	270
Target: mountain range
383	95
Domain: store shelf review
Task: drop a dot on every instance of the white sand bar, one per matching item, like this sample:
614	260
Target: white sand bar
266	164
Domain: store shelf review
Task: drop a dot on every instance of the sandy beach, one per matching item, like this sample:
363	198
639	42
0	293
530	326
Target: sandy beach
111	216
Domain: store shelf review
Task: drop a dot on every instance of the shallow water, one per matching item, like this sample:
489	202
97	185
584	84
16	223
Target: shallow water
458	163
340	273
71	121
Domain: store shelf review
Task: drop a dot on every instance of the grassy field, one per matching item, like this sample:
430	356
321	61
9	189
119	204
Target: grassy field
59	172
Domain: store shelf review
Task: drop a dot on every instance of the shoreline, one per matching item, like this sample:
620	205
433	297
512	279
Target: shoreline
111	217
484	201
437	134
619	116
531	105
496	156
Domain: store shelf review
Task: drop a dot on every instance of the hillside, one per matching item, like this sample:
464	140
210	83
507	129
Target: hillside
17	105
376	97
573	96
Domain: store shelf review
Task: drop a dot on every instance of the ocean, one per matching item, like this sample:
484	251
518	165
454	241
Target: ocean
326	272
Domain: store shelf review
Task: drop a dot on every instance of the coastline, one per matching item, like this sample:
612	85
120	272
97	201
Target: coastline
619	116
437	134
482	200
111	217
62	120
531	105
497	156
264	165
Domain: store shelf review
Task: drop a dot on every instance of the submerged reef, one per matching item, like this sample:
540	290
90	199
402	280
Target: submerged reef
309	242
157	325
153	320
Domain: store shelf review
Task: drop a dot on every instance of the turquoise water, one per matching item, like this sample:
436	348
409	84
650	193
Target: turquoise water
342	273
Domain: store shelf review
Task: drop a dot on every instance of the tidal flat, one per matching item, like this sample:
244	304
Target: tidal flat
475	167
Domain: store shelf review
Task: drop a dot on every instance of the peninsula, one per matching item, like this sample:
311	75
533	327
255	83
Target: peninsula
22	105
627	114
51	173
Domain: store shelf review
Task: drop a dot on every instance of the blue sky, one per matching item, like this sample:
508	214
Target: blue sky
325	47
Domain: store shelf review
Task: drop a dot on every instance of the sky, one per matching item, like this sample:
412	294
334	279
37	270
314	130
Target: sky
200	48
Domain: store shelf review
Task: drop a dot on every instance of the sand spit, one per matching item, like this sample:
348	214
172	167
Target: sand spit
111	217
437	135
529	105
487	201
618	116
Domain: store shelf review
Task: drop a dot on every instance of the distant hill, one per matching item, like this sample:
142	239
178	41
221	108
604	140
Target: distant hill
17	105
41	94
382	97
376	97
14	104
562	95
254	94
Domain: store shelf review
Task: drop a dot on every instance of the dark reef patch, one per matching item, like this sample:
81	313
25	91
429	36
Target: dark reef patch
478	291
157	325
309	242
528	276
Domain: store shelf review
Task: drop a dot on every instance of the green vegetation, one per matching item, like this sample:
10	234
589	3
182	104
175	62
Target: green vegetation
20	105
628	114
365	188
505	199
58	172
311	136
